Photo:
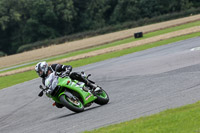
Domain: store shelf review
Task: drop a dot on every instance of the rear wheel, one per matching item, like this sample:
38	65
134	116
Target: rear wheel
102	97
74	104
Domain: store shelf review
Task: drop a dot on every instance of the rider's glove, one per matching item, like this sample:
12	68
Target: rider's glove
67	71
58	73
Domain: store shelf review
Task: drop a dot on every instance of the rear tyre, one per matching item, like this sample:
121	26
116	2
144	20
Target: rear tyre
73	105
102	98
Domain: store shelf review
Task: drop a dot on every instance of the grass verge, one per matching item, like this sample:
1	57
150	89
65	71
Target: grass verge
148	35
22	77
184	119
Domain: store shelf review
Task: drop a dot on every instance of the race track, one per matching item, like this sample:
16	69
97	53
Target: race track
138	84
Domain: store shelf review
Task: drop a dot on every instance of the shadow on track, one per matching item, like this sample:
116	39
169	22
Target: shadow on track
64	116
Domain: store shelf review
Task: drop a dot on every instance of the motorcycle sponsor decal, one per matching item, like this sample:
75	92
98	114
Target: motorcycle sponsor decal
88	97
79	84
73	84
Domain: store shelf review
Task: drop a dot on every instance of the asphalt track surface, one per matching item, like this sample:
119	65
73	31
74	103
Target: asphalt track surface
138	84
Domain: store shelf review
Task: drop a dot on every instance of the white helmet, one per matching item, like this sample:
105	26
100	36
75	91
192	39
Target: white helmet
42	68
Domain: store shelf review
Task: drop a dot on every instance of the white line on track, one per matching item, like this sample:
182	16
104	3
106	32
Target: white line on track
195	49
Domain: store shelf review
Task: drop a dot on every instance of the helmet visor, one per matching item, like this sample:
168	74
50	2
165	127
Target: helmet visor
42	70
40	73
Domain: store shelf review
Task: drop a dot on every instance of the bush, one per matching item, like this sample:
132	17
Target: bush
2	54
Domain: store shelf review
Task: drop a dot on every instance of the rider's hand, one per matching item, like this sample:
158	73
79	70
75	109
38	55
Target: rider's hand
64	74
58	73
67	71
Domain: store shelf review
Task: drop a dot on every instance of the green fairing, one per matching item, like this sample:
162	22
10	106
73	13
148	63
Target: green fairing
72	94
87	97
56	98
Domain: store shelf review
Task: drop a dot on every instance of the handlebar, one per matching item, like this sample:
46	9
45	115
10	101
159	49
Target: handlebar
42	92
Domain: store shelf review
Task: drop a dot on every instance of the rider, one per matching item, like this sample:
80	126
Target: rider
43	70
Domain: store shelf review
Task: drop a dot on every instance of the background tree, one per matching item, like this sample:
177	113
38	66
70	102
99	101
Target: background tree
93	14
126	10
28	21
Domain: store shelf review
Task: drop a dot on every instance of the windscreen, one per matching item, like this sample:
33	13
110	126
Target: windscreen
51	81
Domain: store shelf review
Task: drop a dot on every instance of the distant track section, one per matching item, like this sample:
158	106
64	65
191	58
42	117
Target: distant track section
88	42
114	48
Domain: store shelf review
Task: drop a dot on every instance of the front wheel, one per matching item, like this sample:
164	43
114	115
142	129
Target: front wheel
73	104
102	98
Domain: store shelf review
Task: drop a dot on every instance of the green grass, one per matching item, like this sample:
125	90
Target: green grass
148	35
11	80
7	81
184	119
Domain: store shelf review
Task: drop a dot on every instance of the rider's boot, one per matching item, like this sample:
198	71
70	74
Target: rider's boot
83	78
58	105
92	86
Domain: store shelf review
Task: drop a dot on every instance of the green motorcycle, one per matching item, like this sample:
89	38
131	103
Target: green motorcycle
72	94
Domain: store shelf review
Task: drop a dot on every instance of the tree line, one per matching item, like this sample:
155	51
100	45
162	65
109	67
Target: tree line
27	21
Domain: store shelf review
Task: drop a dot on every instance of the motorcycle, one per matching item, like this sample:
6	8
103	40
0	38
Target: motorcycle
72	94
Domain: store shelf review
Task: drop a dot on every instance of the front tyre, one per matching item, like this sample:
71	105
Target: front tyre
72	104
102	98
